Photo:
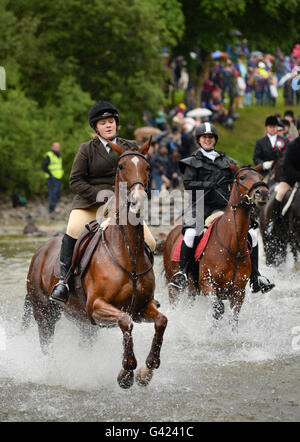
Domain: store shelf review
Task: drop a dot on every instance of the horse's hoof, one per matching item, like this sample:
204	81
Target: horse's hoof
126	379
144	376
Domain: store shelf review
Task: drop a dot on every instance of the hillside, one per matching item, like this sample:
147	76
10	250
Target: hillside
239	143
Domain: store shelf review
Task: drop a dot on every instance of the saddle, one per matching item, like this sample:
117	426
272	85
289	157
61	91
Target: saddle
199	247
84	249
82	255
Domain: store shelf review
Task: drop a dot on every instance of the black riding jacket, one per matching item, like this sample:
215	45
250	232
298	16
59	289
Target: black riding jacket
291	167
265	152
214	177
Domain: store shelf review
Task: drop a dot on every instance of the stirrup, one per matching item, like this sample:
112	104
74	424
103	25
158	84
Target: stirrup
182	280
62	298
261	286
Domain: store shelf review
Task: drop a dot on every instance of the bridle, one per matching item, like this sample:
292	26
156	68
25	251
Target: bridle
126	154
246	199
133	275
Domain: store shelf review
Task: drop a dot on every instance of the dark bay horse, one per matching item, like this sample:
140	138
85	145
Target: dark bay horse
287	232
119	283
225	266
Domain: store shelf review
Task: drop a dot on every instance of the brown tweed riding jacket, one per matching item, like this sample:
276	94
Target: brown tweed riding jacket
94	169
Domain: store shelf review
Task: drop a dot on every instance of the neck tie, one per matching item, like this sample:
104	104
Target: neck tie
112	154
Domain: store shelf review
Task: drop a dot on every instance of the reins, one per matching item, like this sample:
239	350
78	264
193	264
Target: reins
133	275
244	200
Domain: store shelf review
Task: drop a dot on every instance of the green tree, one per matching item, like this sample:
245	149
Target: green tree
27	132
112	47
59	54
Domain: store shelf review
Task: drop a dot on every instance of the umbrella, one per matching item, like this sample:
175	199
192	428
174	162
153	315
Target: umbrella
189	120
256	54
235	33
218	54
146	131
285	78
199	112
157	137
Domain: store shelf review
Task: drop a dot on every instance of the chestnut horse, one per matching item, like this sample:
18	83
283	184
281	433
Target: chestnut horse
119	283
225	266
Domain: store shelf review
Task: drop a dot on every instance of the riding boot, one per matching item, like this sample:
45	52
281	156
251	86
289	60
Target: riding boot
179	280
60	292
258	283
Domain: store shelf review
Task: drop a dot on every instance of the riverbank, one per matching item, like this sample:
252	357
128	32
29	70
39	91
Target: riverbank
34	216
34	219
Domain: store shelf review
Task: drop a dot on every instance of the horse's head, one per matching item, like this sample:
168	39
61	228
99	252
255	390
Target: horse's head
132	175
250	189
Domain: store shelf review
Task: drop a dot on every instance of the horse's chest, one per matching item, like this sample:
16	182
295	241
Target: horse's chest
134	294
225	271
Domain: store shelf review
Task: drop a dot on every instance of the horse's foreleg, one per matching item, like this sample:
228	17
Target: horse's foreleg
173	294
153	360
294	248
27	314
235	303
104	312
218	308
217	304
88	334
46	318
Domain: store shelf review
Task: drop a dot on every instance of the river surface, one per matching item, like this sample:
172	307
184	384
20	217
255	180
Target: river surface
204	375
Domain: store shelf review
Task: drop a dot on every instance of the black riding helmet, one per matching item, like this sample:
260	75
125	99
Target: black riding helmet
206	128
101	110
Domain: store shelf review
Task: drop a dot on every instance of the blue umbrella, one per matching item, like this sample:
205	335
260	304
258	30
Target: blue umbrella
256	54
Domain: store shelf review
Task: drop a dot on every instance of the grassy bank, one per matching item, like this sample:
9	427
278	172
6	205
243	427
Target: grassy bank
239	143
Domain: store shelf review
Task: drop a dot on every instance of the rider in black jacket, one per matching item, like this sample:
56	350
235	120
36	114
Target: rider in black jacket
208	170
291	175
269	148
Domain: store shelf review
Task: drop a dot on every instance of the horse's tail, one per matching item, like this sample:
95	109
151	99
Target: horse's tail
27	313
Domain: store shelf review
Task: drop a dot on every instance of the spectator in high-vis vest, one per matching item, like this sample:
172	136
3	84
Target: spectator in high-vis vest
52	166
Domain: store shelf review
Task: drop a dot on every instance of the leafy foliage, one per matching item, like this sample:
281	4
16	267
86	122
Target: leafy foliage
62	56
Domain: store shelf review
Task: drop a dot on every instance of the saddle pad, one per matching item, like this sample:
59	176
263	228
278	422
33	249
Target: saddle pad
87	256
83	250
199	249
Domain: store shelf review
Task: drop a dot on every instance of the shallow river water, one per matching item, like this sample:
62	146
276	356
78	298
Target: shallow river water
204	376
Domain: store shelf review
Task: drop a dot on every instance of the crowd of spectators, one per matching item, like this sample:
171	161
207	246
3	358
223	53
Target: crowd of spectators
237	78
244	78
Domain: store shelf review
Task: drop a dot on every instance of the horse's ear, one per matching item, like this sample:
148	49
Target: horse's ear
117	149
145	147
258	168
233	167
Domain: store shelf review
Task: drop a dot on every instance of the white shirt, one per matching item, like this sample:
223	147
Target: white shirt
272	139
211	154
105	143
